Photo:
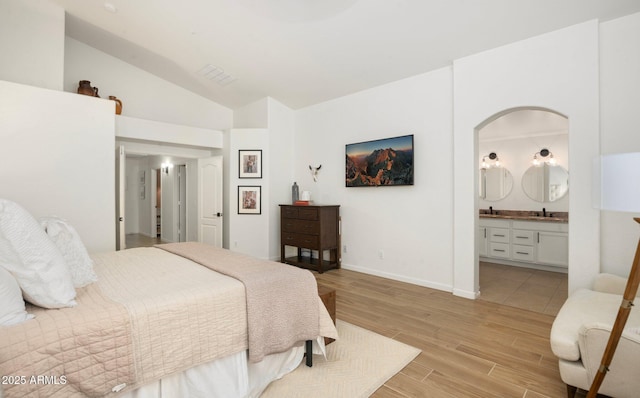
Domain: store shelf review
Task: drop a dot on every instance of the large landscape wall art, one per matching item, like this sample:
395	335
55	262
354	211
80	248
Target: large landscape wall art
381	162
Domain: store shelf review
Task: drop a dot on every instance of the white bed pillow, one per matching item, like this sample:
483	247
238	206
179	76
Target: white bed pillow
34	260
73	251
12	309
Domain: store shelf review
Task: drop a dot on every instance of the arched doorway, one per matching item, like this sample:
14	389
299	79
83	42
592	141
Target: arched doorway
510	267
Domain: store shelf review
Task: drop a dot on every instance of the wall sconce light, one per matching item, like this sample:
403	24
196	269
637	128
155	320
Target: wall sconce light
544	156
490	160
165	166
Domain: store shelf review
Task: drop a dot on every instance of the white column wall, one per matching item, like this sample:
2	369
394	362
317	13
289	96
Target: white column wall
248	233
59	152
558	70
620	129
280	168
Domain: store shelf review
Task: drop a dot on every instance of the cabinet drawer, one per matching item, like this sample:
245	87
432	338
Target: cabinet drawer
300	226
300	240
307	213
521	237
500	235
499	250
522	253
289	212
300	212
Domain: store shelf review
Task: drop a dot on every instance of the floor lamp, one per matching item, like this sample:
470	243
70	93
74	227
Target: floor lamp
620	191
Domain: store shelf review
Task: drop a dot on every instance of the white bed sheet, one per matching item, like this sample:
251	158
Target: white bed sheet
229	377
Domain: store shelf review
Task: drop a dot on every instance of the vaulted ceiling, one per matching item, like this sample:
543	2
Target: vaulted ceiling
302	52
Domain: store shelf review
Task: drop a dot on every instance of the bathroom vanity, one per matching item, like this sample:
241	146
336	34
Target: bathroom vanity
525	240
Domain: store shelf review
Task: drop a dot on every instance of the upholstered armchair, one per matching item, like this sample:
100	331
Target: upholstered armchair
580	333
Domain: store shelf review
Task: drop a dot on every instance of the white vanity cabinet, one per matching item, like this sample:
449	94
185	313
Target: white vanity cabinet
482	241
496	239
527	243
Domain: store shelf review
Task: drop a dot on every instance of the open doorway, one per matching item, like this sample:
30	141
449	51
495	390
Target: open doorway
514	267
157	200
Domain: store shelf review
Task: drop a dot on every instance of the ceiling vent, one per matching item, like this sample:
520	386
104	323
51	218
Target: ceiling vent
216	74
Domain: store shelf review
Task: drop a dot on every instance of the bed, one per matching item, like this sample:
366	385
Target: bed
181	319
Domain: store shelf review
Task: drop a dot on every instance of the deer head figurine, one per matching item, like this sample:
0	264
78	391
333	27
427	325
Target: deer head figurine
314	172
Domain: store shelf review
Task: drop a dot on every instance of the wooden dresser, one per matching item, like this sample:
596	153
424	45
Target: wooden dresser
315	228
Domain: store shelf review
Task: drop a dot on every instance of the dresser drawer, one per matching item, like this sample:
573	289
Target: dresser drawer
300	212
499	250
300	240
500	235
522	253
520	237
289	212
300	226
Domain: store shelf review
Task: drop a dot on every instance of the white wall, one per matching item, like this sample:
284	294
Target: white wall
248	233
143	95
412	225
58	150
279	121
252	116
32	43
280	168
559	71
620	131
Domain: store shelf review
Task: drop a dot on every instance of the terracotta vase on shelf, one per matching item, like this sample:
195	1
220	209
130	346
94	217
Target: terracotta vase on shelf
118	104
84	87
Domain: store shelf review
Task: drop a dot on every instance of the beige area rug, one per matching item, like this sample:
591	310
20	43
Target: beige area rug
356	366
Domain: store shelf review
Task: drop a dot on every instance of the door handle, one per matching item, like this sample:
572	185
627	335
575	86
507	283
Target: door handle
218	214
120	219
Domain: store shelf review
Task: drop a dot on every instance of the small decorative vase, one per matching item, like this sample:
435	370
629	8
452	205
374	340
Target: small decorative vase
118	104
84	87
294	193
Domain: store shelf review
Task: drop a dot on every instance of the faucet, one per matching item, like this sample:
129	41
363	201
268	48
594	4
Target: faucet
544	212
490	209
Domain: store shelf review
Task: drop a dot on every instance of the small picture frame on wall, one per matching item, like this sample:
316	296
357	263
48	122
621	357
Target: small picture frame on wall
249	199
250	163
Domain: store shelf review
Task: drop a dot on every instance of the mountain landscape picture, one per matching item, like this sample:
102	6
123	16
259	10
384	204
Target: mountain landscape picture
382	162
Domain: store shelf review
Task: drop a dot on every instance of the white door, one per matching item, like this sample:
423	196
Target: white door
210	201
120	198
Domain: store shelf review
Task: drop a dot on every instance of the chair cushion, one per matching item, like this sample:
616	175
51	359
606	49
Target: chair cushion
584	307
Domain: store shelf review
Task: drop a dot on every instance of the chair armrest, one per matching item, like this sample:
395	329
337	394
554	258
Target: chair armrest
609	283
622	379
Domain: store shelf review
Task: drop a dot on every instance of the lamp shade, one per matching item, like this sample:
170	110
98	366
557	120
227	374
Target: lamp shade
620	182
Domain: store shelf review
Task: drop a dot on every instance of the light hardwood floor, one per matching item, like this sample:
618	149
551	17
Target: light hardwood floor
470	348
139	240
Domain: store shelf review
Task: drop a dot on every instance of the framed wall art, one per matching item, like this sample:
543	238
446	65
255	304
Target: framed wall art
249	199
250	163
382	162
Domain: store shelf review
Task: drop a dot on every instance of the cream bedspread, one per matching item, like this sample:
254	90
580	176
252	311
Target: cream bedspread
282	301
151	314
182	314
136	324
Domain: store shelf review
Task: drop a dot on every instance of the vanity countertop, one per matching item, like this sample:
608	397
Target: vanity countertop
526	215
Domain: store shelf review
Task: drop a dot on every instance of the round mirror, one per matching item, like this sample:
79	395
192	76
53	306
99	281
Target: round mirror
495	183
545	183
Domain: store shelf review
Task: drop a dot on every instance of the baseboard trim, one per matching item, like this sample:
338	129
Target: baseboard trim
400	278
